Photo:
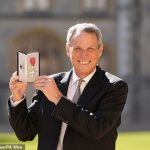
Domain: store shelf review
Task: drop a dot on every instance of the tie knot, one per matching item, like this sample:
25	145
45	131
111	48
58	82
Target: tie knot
79	86
80	82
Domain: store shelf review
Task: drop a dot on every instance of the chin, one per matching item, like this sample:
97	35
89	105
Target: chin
83	73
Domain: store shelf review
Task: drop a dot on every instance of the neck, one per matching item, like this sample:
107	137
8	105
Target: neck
83	75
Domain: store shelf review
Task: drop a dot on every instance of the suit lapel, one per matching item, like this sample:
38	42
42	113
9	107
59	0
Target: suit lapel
95	85
63	86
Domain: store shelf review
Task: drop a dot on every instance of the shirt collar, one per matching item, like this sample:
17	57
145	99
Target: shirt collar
86	79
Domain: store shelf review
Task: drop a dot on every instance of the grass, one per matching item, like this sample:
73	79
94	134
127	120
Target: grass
10	138
125	141
133	141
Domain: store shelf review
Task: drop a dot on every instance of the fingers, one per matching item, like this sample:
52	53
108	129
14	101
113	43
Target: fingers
15	73
14	83
43	77
17	85
43	82
13	80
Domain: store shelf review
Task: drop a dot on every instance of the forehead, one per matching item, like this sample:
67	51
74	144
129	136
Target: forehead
84	36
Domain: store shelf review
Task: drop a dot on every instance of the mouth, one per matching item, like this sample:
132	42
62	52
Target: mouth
84	62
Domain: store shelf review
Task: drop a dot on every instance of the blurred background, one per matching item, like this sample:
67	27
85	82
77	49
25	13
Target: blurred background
41	25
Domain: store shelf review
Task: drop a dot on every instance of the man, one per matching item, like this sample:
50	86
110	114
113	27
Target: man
62	122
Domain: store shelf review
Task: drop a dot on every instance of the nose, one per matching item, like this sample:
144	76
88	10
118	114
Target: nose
83	54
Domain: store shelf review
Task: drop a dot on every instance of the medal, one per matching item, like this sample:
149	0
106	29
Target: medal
32	62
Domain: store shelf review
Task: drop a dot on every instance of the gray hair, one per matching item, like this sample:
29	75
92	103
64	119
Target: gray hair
84	27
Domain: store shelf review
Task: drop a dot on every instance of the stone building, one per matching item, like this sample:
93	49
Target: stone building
41	25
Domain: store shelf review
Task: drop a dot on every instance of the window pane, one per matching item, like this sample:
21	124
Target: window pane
43	4
38	5
94	5
102	4
29	4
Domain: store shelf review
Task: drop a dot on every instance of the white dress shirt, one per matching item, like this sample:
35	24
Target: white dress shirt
70	93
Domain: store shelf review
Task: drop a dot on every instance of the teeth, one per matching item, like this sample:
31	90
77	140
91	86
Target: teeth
84	62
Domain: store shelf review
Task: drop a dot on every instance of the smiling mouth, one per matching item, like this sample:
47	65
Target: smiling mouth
84	62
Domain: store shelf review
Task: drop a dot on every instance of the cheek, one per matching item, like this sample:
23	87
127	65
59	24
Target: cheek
95	58
75	56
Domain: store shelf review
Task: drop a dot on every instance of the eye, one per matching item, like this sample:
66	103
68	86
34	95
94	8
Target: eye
91	49
77	49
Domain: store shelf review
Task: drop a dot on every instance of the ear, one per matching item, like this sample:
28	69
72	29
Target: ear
67	50
100	50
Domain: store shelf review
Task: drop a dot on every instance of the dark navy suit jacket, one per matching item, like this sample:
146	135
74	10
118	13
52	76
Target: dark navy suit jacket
92	122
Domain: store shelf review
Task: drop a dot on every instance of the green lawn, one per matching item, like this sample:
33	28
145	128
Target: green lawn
11	139
133	141
125	141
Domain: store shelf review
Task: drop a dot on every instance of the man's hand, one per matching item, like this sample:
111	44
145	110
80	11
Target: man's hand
48	86
17	88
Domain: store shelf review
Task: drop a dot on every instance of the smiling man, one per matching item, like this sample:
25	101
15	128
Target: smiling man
76	110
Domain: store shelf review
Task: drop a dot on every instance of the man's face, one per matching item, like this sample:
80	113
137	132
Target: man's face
84	52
